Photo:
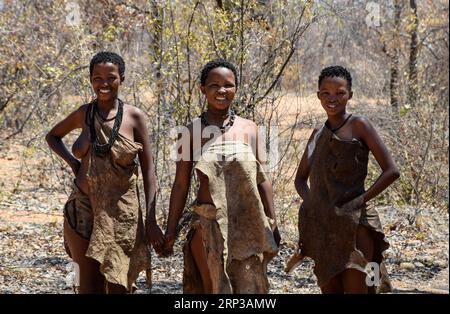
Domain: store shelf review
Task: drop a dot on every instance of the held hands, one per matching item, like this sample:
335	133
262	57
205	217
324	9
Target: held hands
167	249
155	236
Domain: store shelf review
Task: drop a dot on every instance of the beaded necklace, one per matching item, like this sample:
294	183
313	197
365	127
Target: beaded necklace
103	149
222	128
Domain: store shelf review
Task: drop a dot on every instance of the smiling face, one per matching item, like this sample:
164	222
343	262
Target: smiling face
334	95
219	88
105	81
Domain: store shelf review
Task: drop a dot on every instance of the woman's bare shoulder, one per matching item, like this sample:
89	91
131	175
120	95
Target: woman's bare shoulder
361	123
78	116
359	120
133	111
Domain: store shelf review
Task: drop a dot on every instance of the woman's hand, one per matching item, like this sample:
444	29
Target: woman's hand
168	245
155	236
351	206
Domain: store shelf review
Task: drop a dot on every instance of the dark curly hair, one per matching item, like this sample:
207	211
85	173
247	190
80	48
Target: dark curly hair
336	71
107	56
217	63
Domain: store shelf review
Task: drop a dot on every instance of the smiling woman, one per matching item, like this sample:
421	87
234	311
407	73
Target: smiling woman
233	233
337	228
103	223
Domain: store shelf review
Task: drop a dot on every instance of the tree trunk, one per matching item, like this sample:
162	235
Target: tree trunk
413	52
394	84
157	15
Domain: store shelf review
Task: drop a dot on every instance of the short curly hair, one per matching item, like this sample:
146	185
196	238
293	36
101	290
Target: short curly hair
336	71
107	56
217	63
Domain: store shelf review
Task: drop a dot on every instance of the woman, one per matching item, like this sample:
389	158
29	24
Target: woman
231	238
337	229
103	223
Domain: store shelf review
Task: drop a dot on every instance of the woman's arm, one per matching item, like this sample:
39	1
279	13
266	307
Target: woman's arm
154	233
178	198
301	178
54	137
266	193
180	189
364	130
265	189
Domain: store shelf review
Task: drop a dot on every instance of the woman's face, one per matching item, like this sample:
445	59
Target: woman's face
334	95
219	88
105	81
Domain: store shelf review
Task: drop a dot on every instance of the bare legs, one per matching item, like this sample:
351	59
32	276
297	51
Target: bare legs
199	255
91	279
352	280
